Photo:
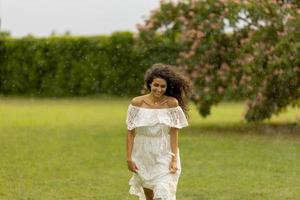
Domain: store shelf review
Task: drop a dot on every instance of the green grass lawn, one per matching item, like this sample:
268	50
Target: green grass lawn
75	149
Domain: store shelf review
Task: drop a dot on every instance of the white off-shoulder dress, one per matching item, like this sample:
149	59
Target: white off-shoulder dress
152	150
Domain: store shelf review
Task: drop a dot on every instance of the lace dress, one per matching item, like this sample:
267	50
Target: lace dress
152	150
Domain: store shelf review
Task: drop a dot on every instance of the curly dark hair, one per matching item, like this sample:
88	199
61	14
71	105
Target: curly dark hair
178	85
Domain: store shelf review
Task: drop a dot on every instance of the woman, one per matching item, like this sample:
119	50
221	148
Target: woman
153	121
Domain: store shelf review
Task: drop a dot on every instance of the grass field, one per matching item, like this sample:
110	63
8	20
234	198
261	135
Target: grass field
75	149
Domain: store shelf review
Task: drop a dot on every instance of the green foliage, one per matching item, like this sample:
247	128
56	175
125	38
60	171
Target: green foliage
61	66
77	66
258	60
4	34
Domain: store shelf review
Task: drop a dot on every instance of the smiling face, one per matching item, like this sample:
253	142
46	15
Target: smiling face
158	87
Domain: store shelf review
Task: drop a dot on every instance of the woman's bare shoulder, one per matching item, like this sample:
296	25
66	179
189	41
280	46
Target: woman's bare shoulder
172	102
137	101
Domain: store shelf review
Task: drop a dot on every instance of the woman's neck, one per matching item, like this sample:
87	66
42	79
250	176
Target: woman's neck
155	99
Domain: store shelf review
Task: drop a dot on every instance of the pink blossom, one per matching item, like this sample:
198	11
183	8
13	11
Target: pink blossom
237	69
215	25
182	18
225	67
195	45
191	13
259	95
200	27
264	83
150	25
245	41
296	69
249	58
249	78
206	89
194	75
141	27
208	79
191	53
220	72
223	1
242	82
220	90
200	34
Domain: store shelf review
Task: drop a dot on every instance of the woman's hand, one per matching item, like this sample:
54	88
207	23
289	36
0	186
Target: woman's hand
132	166
173	166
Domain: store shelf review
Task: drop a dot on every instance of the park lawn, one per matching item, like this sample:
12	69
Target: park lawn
74	148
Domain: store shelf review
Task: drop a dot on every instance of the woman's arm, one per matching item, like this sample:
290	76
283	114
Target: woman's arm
129	144
174	147
174	142
173	102
136	101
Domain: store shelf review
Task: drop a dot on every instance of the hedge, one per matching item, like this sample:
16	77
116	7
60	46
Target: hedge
76	66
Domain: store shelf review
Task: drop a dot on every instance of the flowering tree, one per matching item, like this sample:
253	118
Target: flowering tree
234	49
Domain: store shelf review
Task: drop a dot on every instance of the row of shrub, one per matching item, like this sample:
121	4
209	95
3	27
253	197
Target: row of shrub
78	66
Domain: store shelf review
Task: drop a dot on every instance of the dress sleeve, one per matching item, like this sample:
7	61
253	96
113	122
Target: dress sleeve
178	118
131	117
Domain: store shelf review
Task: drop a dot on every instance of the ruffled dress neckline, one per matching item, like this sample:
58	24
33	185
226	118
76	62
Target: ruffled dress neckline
140	116
139	107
